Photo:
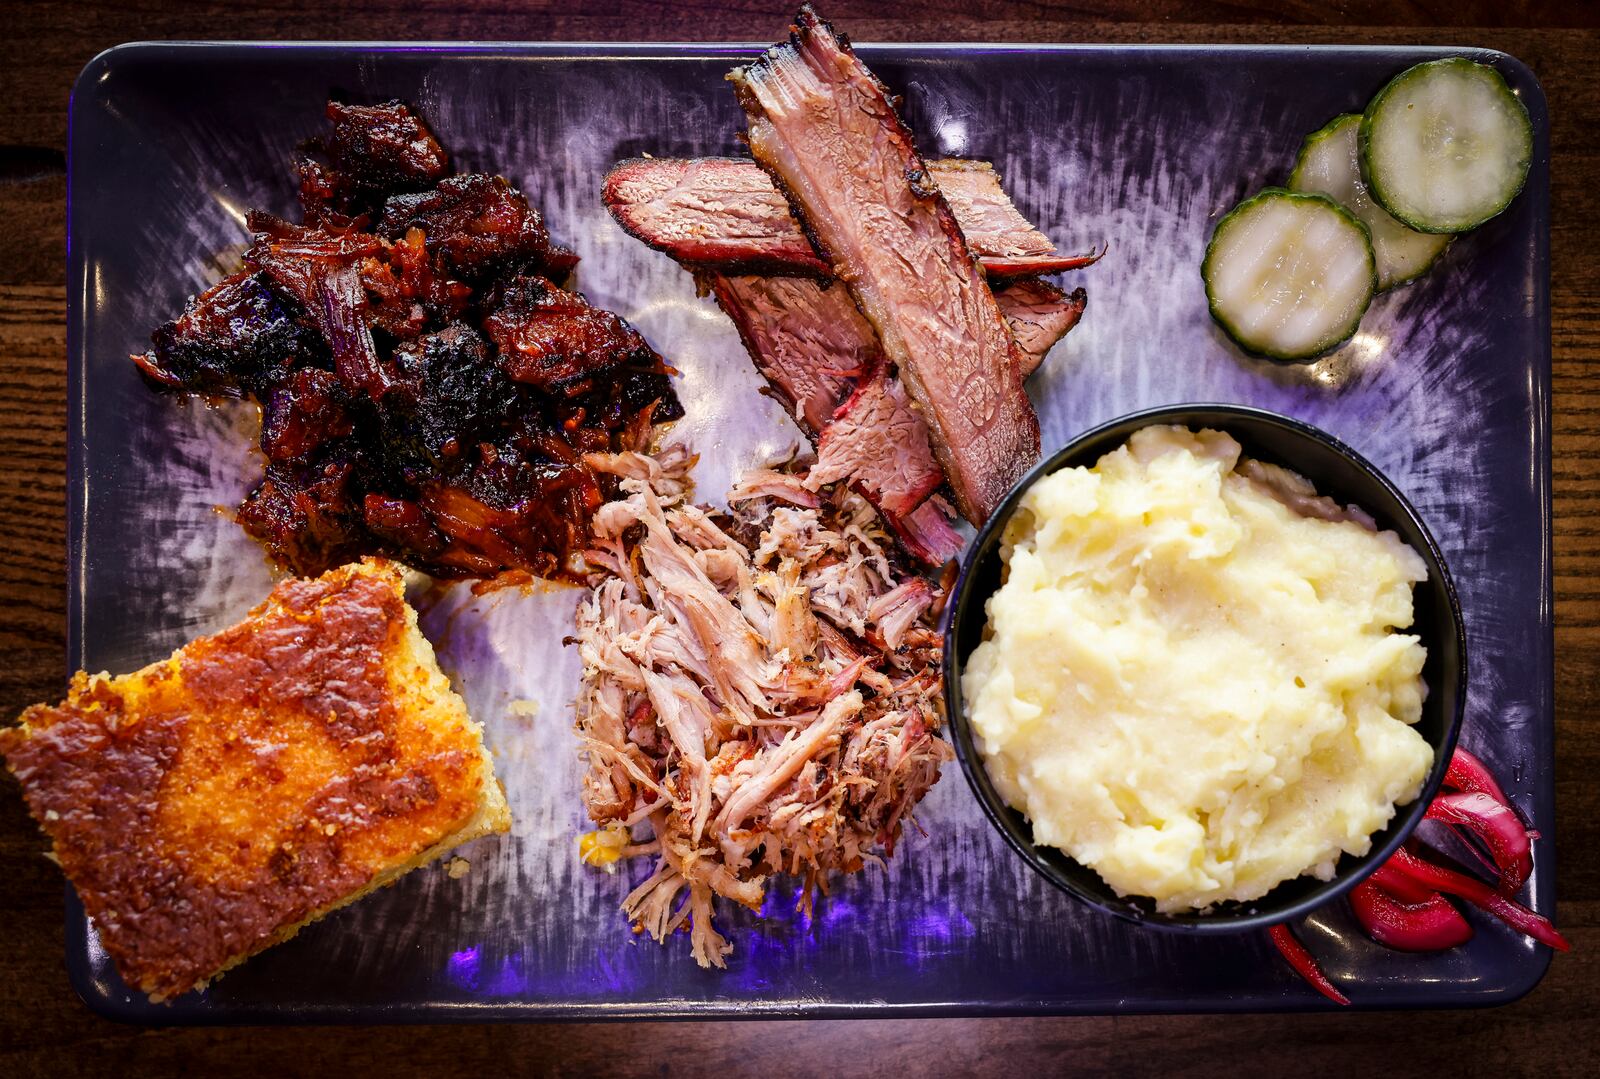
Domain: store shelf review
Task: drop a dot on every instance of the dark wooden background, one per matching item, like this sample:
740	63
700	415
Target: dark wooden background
45	1030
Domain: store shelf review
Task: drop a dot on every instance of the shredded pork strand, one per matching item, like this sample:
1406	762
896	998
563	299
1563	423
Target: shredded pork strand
760	690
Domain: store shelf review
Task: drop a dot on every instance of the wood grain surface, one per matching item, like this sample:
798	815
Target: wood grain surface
45	1030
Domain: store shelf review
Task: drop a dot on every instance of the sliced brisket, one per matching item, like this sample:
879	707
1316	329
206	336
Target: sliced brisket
724	213
879	444
824	128
822	359
808	340
1039	315
372	151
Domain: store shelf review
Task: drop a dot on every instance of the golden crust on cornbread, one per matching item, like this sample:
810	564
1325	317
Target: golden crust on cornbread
213	803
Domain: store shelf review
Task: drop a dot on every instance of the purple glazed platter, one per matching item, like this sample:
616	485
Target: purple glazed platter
1446	389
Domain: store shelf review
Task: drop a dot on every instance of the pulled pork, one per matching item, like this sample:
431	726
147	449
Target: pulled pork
760	691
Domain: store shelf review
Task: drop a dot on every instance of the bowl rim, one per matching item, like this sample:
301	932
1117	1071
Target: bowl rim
994	808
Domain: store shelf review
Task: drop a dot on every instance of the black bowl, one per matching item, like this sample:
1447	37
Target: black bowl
1337	471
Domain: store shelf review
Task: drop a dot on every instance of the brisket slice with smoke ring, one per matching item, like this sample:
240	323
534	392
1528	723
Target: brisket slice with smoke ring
808	340
879	444
822	360
1039	314
725	214
824	128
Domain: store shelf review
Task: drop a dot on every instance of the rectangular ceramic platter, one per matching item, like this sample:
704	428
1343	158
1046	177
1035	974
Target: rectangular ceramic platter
1446	389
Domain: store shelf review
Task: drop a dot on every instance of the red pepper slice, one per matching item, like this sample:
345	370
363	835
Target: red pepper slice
1498	826
1304	964
1429	925
1479	894
1468	773
1388	877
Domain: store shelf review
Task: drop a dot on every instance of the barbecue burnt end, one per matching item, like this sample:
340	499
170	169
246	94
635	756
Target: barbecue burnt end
235	338
477	227
373	151
447	387
304	512
426	392
548	336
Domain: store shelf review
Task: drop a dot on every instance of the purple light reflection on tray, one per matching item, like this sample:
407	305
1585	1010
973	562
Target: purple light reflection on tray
463	969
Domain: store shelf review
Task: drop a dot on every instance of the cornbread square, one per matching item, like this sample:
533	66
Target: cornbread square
212	804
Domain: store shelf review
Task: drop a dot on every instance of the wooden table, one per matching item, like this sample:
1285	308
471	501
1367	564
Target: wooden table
44	1029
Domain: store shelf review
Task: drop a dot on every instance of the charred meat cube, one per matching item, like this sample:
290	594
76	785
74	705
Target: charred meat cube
420	397
321	271
330	292
647	396
404	295
515	507
385	147
447	386
230	338
483	538
402	522
304	515
477	226
548	336
374	151
303	414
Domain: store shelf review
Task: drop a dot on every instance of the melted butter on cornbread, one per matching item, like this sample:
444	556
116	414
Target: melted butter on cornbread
211	804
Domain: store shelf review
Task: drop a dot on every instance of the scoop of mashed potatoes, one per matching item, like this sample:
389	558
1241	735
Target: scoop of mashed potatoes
1192	680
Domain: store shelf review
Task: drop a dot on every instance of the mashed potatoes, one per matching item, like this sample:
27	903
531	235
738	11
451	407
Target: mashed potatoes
1190	681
